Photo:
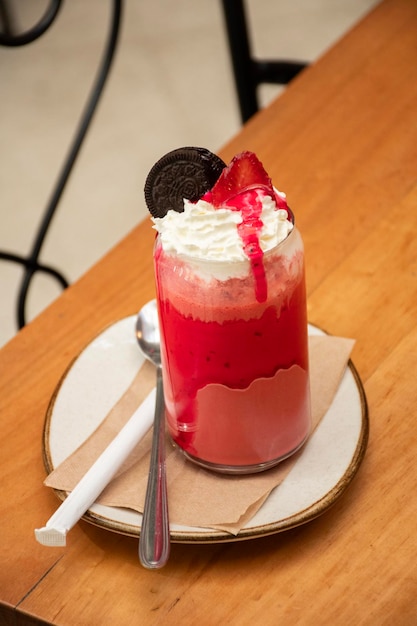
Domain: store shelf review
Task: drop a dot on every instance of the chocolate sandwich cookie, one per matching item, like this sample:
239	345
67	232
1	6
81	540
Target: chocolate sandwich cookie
182	173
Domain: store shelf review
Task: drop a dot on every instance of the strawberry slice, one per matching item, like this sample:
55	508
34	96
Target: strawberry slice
244	173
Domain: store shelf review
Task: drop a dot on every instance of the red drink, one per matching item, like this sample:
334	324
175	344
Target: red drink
235	362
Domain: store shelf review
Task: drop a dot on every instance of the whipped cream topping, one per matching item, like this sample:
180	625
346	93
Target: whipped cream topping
211	234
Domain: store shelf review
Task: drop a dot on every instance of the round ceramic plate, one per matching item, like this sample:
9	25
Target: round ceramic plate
105	368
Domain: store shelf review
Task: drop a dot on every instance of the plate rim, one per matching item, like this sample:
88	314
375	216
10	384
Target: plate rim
212	535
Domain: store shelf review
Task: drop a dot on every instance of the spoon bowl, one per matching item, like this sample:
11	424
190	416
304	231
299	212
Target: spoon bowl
147	332
154	540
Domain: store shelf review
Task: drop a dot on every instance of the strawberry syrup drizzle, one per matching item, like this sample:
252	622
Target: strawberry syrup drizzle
248	202
250	207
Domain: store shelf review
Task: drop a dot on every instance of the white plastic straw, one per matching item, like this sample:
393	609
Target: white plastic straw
98	476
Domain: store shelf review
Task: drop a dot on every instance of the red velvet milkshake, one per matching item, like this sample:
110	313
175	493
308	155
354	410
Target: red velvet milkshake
234	328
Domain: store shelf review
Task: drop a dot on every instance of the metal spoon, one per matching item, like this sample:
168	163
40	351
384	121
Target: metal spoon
154	542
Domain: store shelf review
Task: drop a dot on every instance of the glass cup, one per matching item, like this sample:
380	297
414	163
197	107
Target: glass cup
235	363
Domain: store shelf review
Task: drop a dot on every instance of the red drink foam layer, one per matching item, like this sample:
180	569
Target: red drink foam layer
235	370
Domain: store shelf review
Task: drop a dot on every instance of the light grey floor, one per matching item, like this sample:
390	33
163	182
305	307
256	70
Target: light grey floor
171	85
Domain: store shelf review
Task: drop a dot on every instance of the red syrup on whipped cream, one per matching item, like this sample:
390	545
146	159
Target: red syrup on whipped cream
241	187
249	206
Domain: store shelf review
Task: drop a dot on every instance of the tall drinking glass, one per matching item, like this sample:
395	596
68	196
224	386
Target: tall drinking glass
235	365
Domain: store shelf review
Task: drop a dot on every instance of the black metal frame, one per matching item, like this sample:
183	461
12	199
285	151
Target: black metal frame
31	262
249	73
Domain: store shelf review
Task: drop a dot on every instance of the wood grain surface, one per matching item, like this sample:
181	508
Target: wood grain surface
342	142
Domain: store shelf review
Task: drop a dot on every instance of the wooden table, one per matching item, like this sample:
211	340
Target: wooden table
342	141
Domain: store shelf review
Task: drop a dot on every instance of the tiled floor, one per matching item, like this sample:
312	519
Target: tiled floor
170	85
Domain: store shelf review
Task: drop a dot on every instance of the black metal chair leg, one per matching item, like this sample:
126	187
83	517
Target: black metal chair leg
240	52
248	72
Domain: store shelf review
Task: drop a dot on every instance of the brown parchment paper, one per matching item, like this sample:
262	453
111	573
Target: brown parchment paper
198	497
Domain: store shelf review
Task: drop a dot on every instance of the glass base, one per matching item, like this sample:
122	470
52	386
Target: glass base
239	469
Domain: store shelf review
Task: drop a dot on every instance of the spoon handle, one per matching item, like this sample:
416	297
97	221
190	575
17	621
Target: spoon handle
154	542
